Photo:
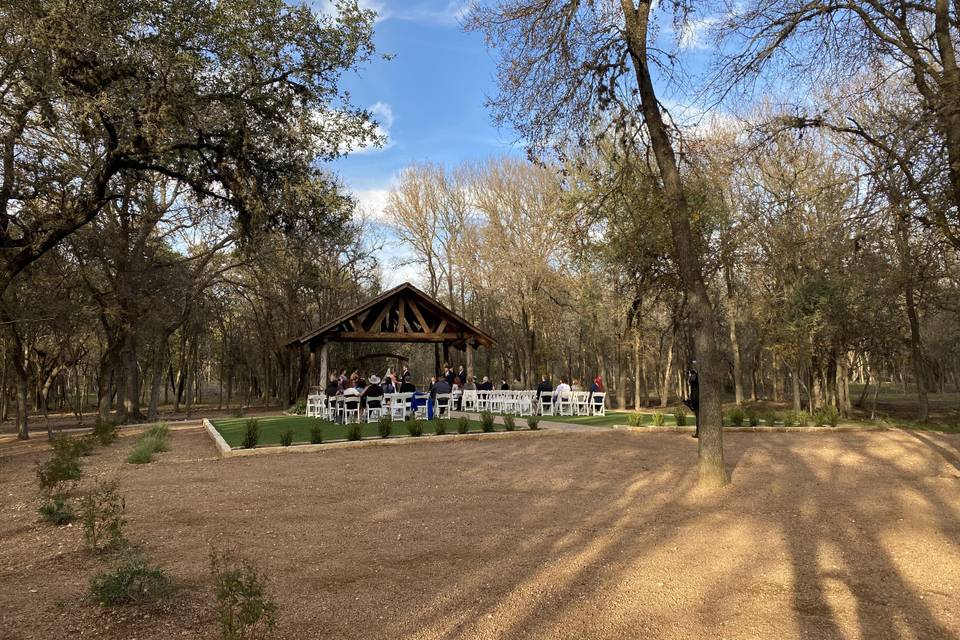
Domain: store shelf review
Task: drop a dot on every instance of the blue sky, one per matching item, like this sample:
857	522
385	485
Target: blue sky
430	101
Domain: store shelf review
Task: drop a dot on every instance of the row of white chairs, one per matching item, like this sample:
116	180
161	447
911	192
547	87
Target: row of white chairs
399	406
526	403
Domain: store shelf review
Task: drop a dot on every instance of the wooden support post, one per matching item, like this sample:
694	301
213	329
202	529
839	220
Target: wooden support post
469	361
323	365
312	375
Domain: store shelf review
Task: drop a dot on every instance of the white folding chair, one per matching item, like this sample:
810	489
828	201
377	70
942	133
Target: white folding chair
581	403
441	405
313	405
351	409
374	408
421	410
546	403
469	400
564	404
597	403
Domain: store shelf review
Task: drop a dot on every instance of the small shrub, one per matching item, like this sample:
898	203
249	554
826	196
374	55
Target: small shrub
635	419
658	418
56	509
826	416
300	408
463	425
286	438
106	431
242	606
354	431
788	418
509	423
251	437
142	452
803	418
753	418
680	416
77	447
736	416
60	472
415	427
385	426
133	581
486	421
101	512
439	427
771	418
533	423
316	434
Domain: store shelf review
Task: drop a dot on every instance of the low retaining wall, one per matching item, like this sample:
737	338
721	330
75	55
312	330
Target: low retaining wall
225	451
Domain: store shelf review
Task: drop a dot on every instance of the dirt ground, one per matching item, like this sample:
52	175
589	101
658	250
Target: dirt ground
579	535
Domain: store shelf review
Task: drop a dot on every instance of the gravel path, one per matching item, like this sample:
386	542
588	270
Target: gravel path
593	534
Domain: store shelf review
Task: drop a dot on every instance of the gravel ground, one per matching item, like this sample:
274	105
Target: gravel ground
583	535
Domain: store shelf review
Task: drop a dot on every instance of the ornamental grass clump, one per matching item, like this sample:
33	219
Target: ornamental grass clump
509	423
635	419
533	423
753	418
486	421
463	425
415	427
680	416
736	416
659	419
316	434
354	431
251	434
385	426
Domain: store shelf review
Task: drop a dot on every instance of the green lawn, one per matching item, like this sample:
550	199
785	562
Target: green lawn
233	429
615	417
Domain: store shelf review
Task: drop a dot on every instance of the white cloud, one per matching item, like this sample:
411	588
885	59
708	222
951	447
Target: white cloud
383	114
372	204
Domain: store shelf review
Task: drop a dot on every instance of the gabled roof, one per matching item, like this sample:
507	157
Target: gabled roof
402	314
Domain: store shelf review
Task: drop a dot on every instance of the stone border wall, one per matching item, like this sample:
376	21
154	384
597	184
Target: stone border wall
224	450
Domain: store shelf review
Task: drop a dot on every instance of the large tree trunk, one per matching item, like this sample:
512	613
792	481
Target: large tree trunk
712	469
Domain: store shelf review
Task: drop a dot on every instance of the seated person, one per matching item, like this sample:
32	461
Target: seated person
406	385
373	391
504	386
563	389
544	385
333	385
470	385
441	386
486	385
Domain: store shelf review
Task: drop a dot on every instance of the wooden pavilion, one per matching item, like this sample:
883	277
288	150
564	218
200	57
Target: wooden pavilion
402	314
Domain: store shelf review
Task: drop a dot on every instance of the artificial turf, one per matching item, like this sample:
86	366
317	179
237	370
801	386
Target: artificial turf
270	428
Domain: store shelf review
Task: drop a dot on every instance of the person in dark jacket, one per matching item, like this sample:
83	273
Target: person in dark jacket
333	385
448	374
486	385
544	385
439	387
693	379
407	386
504	386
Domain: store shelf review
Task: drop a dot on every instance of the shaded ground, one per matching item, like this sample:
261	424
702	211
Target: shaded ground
272	427
582	535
